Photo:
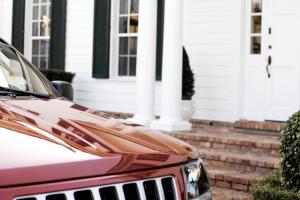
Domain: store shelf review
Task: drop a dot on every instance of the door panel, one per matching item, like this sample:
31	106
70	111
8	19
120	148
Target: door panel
284	6
283	86
278	96
254	75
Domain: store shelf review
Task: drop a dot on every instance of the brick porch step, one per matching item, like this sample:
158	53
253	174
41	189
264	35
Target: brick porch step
242	162
266	126
228	194
233	141
232	179
233	160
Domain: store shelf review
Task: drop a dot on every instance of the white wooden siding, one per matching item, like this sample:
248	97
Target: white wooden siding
6	19
212	33
213	39
101	94
212	36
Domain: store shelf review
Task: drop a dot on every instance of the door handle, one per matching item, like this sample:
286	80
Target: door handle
268	65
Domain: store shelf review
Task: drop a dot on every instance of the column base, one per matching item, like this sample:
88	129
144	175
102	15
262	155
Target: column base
141	121
171	126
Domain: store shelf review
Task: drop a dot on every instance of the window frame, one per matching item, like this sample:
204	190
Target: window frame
252	34
114	43
28	37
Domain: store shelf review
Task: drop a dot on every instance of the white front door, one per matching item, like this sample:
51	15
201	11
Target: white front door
273	54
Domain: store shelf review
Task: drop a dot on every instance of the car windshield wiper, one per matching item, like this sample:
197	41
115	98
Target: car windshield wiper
10	91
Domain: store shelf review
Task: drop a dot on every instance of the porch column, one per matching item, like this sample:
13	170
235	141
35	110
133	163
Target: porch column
146	62
170	118
1	19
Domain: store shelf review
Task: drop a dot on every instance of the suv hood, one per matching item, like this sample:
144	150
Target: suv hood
39	136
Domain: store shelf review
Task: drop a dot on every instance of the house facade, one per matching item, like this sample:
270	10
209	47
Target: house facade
244	54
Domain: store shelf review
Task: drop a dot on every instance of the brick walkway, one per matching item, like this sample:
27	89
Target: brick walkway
234	160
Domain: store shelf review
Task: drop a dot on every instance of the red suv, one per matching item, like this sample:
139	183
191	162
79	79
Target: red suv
54	149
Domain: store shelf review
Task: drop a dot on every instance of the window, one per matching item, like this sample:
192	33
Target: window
116	27
125	37
33	22
256	23
37	34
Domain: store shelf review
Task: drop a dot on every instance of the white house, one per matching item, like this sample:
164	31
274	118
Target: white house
245	54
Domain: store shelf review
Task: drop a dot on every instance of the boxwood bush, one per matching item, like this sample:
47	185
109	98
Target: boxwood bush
272	188
290	153
284	185
188	80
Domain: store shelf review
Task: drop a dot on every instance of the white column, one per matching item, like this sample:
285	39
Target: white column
170	118
146	62
6	20
1	18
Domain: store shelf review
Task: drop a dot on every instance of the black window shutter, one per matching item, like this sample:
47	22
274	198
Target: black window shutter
160	38
18	24
101	39
58	34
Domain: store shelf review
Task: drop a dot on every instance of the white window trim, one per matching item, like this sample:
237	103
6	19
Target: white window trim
114	44
28	31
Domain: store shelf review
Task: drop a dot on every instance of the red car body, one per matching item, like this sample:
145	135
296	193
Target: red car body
50	145
53	144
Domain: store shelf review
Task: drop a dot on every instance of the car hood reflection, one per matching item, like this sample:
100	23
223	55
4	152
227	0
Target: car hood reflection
75	142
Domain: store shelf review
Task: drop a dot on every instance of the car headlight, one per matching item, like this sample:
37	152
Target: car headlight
196	181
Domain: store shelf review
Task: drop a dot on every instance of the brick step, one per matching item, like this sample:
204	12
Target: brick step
265	126
249	162
228	194
234	159
232	179
233	141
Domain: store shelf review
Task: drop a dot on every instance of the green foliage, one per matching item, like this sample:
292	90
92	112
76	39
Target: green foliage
290	153
274	178
187	78
284	185
57	75
272	188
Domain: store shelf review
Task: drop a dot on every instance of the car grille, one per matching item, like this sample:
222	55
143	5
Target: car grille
163	188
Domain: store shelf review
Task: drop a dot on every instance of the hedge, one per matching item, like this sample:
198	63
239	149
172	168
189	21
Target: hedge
272	188
290	152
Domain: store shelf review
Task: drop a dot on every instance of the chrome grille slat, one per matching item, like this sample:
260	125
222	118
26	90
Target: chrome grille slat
96	194
160	189
120	191
69	195
40	197
119	188
141	190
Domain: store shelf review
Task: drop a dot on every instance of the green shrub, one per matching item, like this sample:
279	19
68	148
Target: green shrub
57	75
187	78
272	188
290	153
